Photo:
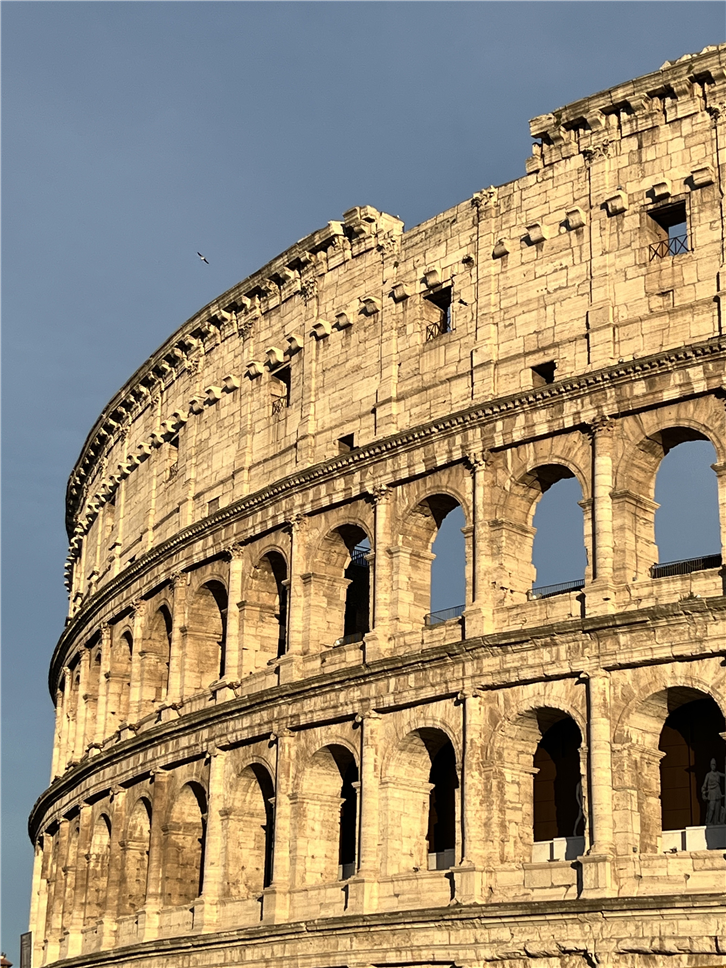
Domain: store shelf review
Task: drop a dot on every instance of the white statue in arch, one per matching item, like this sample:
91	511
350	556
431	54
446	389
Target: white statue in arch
711	793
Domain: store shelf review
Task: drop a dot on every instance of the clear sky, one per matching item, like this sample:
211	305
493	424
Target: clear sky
135	134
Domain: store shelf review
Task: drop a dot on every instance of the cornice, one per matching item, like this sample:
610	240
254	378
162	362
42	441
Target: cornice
591	628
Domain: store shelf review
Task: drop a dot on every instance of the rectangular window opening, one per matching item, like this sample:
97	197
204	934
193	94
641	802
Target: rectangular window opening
543	373
280	382
346	444
437	312
671	224
213	505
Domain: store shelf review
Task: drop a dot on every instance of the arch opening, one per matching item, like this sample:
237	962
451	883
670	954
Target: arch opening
559	558
687	528
327	818
155	660
185	847
692	772
98	870
341	586
435	561
136	858
205	653
249	832
557	799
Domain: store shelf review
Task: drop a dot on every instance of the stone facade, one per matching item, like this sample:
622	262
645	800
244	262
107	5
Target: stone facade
267	750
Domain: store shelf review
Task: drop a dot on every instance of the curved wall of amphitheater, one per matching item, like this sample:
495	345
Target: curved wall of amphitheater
267	749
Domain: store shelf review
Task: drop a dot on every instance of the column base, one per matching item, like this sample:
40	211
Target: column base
148	922
363	894
469	883
289	668
374	645
598	875
600	597
275	905
205	915
478	620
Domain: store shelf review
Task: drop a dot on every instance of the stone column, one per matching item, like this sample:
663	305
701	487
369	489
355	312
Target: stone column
364	886
179	582
276	898
57	893
479	614
79	739
74	903
116	868
601	594
139	609
104	685
598	866
376	641
233	656
296	612
206	912
720	472
149	920
469	874
58	762
38	899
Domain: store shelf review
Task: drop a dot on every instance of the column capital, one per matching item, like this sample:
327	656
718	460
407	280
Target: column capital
235	552
380	493
177	579
137	606
478	460
601	425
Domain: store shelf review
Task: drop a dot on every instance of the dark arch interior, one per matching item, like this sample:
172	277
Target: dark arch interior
219	594
441	835
268	793
357	596
690	740
557	784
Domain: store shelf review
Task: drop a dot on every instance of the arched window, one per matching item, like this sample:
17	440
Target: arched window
98	868
155	660
340	599
263	613
441	836
692	769
249	831
184	847
136	857
448	569
204	652
435	591
558	550
557	796
687	529
420	804
119	682
326	818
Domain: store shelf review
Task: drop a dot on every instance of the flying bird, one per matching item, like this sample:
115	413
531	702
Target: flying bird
202	257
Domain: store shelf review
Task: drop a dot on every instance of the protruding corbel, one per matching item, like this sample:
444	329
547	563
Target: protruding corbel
575	218
536	233
230	383
616	204
321	329
274	355
295	342
254	369
431	276
213	394
500	249
370	305
342	321
196	405
399	292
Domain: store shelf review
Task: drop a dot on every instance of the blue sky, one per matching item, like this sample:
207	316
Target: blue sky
135	134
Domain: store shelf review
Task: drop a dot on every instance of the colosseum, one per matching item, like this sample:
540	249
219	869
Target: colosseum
269	749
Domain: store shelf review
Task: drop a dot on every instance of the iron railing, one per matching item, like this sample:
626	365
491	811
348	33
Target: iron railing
433	330
675	245
358	556
547	591
443	615
685	566
278	405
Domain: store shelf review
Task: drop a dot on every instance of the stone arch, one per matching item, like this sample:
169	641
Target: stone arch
325	810
517	754
642	764
98	869
136	857
418	528
338	586
71	901
649	439
183	866
94	681
155	658
263	610
119	680
205	636
248	829
512	532
420	802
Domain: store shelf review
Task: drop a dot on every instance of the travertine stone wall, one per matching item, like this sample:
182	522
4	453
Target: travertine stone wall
250	763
